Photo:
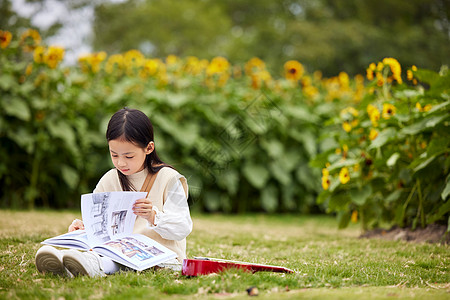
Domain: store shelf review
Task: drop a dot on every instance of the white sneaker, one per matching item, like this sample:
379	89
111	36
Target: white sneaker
83	263
49	260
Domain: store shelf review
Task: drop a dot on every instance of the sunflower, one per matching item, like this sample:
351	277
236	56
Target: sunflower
38	54
395	67
354	217
373	134
254	65
344	175
346	126
325	179
293	70
30	39
388	110
133	59
218	65
150	67
5	38
374	114
370	71
113	62
53	56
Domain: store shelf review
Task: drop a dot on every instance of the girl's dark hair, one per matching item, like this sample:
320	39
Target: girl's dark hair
134	126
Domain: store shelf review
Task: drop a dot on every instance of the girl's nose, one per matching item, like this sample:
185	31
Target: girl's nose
121	163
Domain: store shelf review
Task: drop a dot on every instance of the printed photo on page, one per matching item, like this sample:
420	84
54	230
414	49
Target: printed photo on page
108	214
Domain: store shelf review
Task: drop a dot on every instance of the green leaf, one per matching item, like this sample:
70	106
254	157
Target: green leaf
305	177
343	219
384	136
306	138
60	129
339	201
269	198
23	138
422	162
440	212
256	174
393	196
438	107
7	81
428	122
344	163
360	196
274	148
427	76
446	190
400	215
185	134
18	108
408	93
393	159
300	113
212	200
323	197
437	145
281	174
70	176
229	179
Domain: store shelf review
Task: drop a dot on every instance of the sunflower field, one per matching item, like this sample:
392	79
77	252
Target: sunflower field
371	149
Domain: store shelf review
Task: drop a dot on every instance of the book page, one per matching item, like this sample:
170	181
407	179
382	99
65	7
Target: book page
76	240
108	214
135	251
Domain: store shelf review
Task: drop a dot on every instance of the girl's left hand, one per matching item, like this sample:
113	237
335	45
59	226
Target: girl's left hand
144	208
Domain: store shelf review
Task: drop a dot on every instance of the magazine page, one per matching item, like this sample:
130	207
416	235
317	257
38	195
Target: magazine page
75	240
108	214
135	251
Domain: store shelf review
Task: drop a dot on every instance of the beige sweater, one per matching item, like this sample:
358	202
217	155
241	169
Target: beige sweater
166	179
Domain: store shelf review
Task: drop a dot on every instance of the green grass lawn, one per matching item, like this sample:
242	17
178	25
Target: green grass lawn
329	263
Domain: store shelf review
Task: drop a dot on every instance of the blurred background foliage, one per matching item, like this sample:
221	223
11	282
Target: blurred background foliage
250	102
326	35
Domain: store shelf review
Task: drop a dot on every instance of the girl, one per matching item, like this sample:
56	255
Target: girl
163	216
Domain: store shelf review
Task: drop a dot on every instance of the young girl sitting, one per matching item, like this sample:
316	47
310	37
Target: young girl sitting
163	216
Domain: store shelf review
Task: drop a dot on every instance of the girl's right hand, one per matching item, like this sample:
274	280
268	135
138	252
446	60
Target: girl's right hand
76	225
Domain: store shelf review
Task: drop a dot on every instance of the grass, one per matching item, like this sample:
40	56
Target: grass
329	263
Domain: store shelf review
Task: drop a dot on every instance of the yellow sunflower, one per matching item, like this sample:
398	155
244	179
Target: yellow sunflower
5	38
388	110
30	39
344	175
325	179
373	134
293	70
53	56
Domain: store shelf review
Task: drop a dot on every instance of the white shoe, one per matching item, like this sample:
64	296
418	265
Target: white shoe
83	263
49	260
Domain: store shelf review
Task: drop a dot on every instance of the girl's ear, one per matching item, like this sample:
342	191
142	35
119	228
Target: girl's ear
150	147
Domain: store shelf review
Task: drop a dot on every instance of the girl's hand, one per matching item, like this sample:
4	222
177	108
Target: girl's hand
144	208
76	224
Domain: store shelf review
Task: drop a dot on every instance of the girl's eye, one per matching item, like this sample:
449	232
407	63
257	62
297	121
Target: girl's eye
115	155
129	157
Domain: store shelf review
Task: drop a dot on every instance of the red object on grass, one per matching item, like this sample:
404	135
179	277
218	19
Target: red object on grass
194	267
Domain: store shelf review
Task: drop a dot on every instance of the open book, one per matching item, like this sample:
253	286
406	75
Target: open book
109	220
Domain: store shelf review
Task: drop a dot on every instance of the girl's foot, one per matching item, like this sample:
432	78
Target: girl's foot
83	263
49	260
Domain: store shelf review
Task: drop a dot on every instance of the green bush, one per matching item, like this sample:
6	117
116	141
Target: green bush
245	140
392	163
242	138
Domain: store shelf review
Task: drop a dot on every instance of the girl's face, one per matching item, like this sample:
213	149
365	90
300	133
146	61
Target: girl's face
127	157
